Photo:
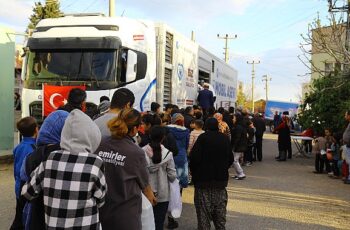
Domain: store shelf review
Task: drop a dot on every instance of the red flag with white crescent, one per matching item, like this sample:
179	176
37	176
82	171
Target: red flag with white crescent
55	97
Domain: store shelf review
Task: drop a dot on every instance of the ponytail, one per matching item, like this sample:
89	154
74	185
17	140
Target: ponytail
157	134
126	120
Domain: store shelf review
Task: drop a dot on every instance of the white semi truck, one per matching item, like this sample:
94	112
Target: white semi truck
106	53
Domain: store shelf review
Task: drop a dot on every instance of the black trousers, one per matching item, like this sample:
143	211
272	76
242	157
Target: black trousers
335	168
17	222
258	148
248	155
320	162
159	212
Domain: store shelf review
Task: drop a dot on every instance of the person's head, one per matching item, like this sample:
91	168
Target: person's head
28	127
189	111
51	129
221	110
212	124
206	86
149	120
177	119
238	119
125	124
276	112
245	112
155	107
327	132
198	115
218	116
197	108
80	134
231	110
168	107
157	134
175	110
103	107
198	124
122	98
250	124
347	115
211	111
104	98
77	98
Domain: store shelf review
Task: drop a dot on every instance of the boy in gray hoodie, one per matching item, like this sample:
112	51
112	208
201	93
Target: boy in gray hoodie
72	179
161	169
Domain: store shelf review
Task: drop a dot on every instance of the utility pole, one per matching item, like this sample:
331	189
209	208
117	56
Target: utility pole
333	8
266	78
111	8
226	37
253	63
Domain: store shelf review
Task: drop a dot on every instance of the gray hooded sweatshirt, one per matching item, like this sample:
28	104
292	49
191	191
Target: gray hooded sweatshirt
160	174
80	134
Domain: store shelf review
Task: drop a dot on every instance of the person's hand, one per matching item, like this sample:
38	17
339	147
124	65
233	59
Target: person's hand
150	195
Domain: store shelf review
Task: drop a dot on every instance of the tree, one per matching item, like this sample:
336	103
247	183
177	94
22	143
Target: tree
51	9
325	106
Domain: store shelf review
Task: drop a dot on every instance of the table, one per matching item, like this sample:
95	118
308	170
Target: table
301	151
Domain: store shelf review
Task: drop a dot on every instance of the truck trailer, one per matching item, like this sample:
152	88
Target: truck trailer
106	53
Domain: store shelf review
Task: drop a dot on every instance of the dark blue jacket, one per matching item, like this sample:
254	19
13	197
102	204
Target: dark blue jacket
205	99
24	148
182	136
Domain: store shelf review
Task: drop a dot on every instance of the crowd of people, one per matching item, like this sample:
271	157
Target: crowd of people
91	172
331	149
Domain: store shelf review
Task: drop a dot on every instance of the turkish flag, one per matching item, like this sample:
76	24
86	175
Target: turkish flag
55	97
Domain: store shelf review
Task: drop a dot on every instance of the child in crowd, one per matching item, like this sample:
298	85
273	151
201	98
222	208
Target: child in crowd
198	130
319	149
28	128
329	141
335	147
161	171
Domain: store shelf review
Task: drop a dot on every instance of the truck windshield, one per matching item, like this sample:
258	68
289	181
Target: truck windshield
96	66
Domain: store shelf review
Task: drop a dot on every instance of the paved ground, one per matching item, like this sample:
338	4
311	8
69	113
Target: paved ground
275	195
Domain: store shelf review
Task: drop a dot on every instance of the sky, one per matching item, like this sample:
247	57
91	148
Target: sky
268	31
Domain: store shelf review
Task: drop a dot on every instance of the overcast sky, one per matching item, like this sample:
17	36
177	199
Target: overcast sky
268	31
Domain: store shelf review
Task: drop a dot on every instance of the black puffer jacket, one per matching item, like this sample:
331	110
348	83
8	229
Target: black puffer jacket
239	139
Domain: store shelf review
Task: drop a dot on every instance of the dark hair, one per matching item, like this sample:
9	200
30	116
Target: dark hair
196	107
121	98
188	109
211	111
154	106
199	123
221	110
27	126
212	124
156	135
198	115
76	97
151	119
231	109
168	106
239	119
104	98
126	120
174	110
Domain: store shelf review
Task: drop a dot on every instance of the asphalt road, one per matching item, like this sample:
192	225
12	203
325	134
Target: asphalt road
275	195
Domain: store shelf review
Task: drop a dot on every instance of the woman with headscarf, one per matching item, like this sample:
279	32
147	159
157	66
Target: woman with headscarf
223	126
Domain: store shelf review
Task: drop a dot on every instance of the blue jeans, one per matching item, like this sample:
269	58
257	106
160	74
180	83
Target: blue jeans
182	175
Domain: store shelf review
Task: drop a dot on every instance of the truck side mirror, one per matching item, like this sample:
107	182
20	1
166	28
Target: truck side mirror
131	67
